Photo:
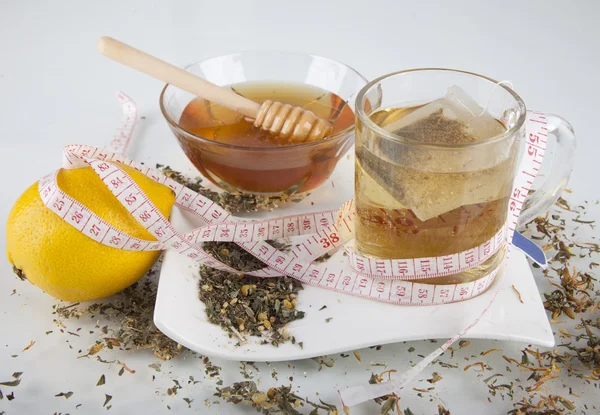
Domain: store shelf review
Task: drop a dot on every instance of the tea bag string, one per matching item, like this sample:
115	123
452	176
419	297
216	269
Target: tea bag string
497	84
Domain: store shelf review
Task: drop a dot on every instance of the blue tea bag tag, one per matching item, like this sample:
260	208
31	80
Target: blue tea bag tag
530	249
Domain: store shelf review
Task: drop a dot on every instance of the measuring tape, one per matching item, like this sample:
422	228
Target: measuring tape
389	281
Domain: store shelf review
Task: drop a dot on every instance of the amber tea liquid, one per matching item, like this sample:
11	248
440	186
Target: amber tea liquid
258	169
456	210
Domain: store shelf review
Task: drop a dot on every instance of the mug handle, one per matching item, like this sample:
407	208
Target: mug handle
556	180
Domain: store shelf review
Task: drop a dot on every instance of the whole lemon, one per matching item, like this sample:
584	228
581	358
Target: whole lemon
64	262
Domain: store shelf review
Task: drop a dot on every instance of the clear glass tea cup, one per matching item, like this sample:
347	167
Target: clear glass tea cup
417	199
266	170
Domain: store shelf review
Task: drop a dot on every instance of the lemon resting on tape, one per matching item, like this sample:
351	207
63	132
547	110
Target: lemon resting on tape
64	262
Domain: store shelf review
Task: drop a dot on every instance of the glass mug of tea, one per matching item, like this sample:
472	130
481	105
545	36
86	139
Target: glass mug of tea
436	156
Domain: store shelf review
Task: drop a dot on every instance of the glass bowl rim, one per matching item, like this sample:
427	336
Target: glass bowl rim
366	120
328	139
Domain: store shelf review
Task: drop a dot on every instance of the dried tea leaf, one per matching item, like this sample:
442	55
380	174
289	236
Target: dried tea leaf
389	406
155	366
480	364
101	381
125	367
29	346
130	317
565	333
324	361
107	399
11	383
518	294
234	202
67	395
246	305
435	377
112	342
442	410
95	349
490	352
486	380
280	400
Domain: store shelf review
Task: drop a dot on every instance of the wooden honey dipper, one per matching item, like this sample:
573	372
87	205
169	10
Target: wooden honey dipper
282	120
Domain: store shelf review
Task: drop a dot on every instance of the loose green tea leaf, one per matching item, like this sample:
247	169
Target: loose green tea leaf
245	305
233	202
131	314
280	400
106	399
11	383
435	377
155	366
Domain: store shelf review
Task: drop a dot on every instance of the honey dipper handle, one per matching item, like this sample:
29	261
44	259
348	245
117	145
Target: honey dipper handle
150	65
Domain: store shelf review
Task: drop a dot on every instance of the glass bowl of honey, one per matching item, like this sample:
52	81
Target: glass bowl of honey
233	154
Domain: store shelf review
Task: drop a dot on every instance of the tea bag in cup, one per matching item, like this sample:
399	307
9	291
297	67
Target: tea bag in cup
431	181
453	119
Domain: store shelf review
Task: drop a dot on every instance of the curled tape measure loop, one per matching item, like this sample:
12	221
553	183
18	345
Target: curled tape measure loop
315	234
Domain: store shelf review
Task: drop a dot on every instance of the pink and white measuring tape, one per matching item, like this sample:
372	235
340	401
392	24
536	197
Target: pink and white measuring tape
392	281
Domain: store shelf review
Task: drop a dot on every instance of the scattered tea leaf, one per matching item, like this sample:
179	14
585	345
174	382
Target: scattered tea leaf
95	349
246	305
435	377
279	400
324	361
155	366
66	395
11	383
480	364
130	317
518	294
106	399
234	202
389	406
125	367
31	343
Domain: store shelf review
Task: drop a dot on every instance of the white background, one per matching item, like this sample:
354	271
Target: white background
55	89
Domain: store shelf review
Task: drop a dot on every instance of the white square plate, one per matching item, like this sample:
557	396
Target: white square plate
355	322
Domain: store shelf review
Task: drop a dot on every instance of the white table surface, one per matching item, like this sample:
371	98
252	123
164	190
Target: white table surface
55	89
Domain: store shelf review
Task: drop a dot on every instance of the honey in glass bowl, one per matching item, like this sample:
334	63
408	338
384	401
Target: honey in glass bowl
239	158
255	161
